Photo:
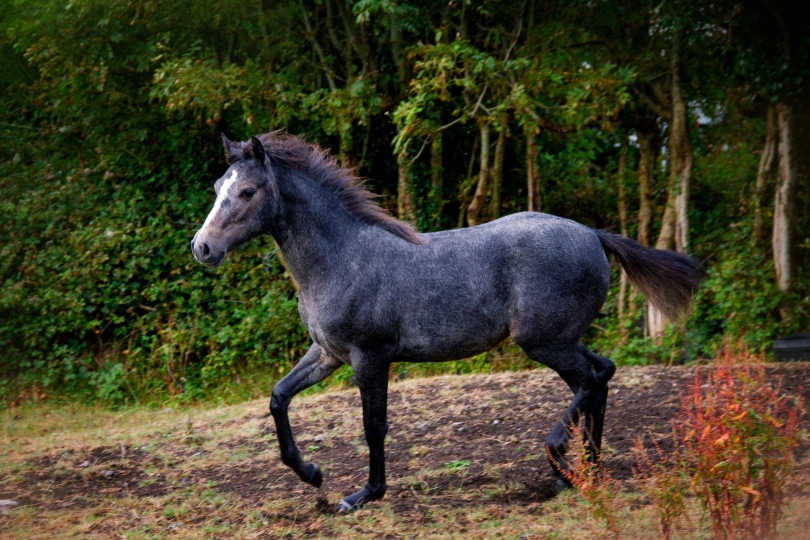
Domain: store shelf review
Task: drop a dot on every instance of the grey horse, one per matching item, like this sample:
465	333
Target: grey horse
374	291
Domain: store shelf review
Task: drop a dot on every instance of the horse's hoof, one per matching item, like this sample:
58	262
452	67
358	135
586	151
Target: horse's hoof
563	484
314	476
344	507
352	502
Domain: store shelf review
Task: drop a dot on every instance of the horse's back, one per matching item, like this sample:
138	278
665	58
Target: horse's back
530	241
531	275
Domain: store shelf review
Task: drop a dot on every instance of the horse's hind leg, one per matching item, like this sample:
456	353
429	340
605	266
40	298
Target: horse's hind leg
603	370
315	366
587	374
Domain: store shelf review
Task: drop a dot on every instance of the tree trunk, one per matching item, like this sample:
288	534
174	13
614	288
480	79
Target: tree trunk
647	150
783	200
666	240
358	43
436	178
497	172
464	191
346	144
482	189
666	236
622	300
680	155
764	173
397	46
675	223
404	201
532	174
317	48
464	30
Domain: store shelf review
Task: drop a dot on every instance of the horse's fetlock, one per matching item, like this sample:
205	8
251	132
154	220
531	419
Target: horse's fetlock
375	492
291	459
312	475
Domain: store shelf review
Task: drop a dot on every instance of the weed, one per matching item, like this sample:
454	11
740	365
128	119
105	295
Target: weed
733	449
665	481
738	432
456	465
599	491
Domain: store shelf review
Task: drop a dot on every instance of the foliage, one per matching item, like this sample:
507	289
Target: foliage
741	436
599	492
664	479
111	115
733	449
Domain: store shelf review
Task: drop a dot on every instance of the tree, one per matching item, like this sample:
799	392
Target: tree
456	112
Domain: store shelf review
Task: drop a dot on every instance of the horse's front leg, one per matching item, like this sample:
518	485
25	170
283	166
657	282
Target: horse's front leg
371	374
315	366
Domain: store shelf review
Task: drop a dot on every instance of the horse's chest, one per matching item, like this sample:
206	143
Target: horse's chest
328	329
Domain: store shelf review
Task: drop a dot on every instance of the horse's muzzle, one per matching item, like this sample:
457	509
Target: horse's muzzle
205	254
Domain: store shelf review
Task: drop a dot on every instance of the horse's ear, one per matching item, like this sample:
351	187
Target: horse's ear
228	146
258	149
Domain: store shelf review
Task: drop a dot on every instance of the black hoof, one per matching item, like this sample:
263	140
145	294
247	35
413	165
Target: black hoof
563	484
312	475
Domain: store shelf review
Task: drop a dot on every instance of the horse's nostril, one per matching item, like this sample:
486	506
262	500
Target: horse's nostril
206	251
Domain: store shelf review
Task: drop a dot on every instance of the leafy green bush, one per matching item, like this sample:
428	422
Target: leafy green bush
101	298
110	118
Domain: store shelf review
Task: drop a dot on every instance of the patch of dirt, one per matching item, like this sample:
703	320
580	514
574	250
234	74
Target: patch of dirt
451	439
76	477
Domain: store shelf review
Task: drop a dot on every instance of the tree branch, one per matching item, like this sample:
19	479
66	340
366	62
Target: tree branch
316	46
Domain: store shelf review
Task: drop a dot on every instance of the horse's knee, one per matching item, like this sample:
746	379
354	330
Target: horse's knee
275	405
376	430
279	401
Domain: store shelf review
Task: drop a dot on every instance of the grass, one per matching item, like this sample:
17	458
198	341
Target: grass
214	472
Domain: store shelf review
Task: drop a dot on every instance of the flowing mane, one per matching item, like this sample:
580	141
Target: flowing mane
296	153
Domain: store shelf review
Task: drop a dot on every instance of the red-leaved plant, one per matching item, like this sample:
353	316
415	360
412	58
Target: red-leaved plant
664	479
733	446
598	490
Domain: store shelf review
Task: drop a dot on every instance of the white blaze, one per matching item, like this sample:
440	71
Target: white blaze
223	193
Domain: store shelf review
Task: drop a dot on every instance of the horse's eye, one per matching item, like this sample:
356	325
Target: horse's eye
247	193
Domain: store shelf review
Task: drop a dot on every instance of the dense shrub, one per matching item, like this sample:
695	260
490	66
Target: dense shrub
110	120
101	298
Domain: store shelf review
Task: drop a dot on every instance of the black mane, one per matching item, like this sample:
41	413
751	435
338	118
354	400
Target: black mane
296	153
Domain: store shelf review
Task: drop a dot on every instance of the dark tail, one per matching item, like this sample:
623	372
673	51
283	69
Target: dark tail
667	278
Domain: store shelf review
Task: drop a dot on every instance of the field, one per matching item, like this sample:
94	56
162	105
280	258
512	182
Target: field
465	460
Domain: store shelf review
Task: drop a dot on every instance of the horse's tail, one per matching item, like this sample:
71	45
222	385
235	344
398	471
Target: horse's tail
667	278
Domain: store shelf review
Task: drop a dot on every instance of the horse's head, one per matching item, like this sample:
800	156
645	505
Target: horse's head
246	195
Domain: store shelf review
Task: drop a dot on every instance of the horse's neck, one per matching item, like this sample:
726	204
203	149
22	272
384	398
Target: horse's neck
313	232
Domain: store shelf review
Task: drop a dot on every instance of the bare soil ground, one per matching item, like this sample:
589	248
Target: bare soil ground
464	456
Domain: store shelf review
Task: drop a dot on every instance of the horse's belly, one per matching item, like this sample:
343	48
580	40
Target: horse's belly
425	342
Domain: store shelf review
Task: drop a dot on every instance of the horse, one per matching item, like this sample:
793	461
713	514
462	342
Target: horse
372	290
